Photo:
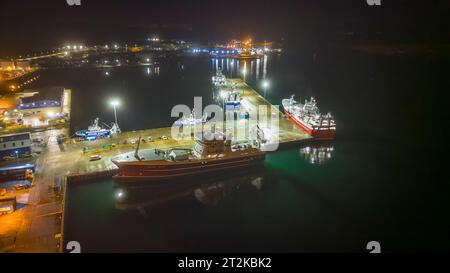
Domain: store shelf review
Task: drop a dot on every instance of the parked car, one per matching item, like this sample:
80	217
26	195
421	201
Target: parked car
164	138
95	158
19	187
38	140
149	139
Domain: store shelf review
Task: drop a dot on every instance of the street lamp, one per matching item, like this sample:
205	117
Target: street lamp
115	103
265	85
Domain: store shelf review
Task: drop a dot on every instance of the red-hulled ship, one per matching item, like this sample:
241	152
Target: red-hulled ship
308	117
211	153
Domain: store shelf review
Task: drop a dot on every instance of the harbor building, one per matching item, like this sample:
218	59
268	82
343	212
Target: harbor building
15	145
50	104
44	107
11	65
66	102
8	204
7	65
23	65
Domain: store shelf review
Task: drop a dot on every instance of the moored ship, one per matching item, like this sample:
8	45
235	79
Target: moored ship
191	120
219	79
232	101
95	131
249	56
308	117
212	152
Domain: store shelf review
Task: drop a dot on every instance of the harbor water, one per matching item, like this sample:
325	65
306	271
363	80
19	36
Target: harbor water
380	180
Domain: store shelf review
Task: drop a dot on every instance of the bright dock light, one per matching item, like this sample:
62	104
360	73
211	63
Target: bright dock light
115	102
265	85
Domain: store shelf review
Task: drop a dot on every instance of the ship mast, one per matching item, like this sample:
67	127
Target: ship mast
136	153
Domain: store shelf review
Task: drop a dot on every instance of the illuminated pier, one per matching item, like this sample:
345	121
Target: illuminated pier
42	225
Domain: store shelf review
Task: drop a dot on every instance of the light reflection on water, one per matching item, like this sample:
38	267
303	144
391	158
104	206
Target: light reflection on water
317	154
253	68
334	204
209	192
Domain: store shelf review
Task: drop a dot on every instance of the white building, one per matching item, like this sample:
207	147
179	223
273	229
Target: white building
15	145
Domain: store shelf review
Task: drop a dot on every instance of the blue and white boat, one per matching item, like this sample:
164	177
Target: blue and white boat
233	101
95	131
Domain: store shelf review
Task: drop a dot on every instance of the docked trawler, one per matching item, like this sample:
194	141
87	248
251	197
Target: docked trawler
232	101
95	131
219	79
308	117
191	120
212	152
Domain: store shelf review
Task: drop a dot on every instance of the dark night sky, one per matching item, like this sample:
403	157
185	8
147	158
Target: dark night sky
29	24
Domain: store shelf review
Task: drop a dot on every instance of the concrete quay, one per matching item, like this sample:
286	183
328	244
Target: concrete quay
39	226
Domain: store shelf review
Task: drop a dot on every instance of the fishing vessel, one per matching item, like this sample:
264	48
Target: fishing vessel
191	120
249	56
308	117
95	131
232	101
212	152
219	79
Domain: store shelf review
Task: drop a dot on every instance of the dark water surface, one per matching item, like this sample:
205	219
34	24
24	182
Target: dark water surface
382	180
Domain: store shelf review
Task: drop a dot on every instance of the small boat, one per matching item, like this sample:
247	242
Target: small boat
95	131
191	120
233	101
249	56
219	79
